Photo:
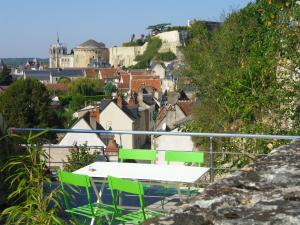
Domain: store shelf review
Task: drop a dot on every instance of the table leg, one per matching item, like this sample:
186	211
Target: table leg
179	192
98	195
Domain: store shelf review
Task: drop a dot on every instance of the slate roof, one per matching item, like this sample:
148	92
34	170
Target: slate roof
91	44
148	99
131	112
67	73
38	74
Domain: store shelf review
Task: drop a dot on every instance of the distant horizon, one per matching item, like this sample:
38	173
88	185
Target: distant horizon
31	27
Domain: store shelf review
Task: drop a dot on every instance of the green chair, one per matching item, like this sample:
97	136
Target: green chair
89	211
185	157
196	158
118	185
137	154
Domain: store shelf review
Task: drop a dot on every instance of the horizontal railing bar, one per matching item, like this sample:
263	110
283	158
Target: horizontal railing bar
193	134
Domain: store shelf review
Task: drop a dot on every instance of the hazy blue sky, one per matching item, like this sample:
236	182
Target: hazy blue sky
28	27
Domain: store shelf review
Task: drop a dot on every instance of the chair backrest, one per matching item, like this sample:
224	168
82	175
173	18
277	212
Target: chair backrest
184	156
137	154
77	180
128	186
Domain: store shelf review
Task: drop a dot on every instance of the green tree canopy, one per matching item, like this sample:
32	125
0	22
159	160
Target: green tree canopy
109	88
5	77
158	28
86	87
245	73
26	103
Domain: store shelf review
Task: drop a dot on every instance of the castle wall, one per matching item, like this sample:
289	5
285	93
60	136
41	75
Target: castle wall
125	56
66	61
83	57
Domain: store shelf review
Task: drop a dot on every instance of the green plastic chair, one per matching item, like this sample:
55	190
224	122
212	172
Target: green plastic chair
137	154
196	158
89	211
118	185
184	156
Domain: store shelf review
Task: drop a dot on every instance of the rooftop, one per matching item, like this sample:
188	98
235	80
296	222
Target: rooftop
91	44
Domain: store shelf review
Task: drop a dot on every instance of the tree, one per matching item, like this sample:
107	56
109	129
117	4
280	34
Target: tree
244	73
5	77
86	87
26	103
109	88
158	28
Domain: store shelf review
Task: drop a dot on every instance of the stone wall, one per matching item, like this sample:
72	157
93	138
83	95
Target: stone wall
125	56
83	57
266	192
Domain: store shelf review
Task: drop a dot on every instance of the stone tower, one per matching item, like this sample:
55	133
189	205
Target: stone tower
56	51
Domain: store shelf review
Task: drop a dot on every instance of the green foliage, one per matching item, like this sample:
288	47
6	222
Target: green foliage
86	87
79	157
95	97
109	88
166	56
151	52
130	44
5	77
26	103
240	88
64	80
158	28
178	28
33	200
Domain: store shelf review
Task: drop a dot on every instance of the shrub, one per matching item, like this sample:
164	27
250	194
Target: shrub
33	200
79	157
166	56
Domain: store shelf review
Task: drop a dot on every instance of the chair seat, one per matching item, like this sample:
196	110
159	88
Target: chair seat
137	217
100	210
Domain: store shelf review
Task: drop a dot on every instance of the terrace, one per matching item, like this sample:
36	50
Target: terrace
153	193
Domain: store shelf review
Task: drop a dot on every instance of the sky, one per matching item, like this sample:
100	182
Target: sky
29	27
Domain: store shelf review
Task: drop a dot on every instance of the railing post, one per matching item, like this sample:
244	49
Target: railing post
121	145
211	160
49	155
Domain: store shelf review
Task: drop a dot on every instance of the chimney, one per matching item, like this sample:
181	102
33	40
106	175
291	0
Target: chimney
133	100
94	116
119	102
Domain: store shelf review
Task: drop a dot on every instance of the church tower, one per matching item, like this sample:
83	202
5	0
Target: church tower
56	51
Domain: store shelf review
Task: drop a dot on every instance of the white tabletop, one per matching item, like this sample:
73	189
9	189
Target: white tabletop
149	172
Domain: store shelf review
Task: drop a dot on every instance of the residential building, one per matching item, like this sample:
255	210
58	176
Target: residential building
42	75
109	74
117	114
72	74
174	143
158	69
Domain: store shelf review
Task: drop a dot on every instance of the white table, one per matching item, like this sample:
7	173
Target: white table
174	174
154	173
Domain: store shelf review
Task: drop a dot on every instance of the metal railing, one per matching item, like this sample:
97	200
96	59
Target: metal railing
211	137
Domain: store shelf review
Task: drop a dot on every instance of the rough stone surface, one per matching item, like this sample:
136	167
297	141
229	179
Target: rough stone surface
266	192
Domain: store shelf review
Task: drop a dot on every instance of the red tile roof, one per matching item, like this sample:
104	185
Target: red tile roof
186	106
58	87
124	82
150	81
91	73
108	73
